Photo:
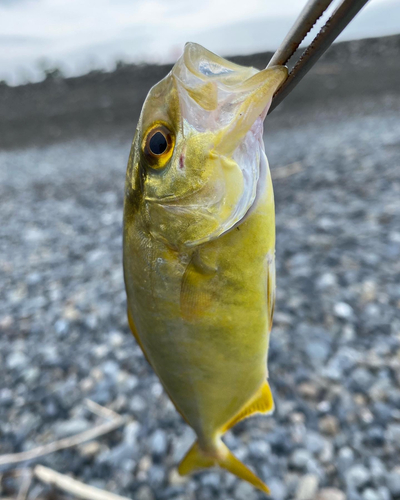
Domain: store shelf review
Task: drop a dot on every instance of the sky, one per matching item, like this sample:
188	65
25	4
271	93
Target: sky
81	35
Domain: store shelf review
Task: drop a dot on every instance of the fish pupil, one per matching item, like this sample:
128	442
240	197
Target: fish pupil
158	143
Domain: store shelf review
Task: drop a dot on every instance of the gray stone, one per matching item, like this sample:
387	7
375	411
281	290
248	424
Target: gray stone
353	494
245	491
278	489
144	493
318	351
393	482
17	360
138	404
159	443
307	488
6	397
370	494
110	369
345	459
182	444
156	475
314	442
357	477
344	360
327	454
131	432
331	494
393	434
61	327
384	493
378	471
259	450
211	480
343	310
300	458
291	480
362	379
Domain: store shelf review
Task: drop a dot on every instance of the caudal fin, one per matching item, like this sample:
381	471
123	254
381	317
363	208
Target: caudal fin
196	459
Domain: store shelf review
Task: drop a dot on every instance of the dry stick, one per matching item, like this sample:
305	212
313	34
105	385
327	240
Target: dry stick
73	486
99	410
14	458
26	483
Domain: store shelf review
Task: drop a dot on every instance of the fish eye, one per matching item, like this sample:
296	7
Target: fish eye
158	145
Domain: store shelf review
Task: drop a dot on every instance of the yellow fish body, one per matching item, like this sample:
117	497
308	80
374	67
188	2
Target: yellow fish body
199	242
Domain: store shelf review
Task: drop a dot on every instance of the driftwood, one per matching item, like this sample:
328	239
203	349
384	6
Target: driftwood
101	411
14	458
73	486
26	483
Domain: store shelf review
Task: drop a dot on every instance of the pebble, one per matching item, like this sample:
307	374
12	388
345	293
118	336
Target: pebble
300	458
307	488
259	450
393	434
370	494
314	442
331	494
378	471
17	361
159	443
384	493
245	491
211	480
343	310
144	493
278	489
329	425
393	482
345	459
357	477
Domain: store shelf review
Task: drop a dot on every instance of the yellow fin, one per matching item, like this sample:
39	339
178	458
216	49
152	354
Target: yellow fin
196	459
261	402
196	290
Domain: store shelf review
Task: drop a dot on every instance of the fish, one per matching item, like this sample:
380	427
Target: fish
199	246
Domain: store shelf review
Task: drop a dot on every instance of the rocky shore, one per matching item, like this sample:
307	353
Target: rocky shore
334	358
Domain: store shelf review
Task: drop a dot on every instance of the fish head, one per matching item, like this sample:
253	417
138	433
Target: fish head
195	160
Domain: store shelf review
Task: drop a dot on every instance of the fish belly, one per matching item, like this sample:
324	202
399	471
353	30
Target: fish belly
203	318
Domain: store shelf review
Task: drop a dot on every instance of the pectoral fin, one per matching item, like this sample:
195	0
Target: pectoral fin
262	402
196	459
196	290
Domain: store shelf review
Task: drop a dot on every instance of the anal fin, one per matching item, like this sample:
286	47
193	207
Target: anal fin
261	402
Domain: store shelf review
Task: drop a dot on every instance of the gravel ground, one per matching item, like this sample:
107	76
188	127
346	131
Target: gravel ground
335	348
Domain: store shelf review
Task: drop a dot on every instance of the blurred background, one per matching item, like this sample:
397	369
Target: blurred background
73	79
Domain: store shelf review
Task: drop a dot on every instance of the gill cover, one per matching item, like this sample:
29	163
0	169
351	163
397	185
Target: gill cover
214	111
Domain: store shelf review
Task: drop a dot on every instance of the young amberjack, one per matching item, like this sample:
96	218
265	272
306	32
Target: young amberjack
199	243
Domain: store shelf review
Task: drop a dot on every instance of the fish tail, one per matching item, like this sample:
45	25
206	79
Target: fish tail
197	459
